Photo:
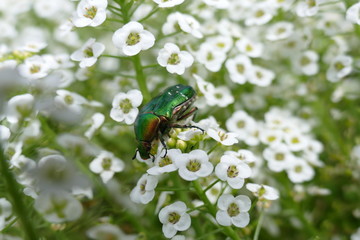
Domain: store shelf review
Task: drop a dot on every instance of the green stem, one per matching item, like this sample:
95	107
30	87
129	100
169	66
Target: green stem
150	14
212	209
213	148
211	185
258	227
140	78
19	207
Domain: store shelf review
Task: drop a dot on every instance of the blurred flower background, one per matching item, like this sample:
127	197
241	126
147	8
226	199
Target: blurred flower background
278	98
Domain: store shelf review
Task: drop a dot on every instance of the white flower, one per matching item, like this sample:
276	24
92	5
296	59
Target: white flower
144	191
174	218
5	212
34	67
263	191
259	14
233	171
295	140
220	96
307	8
166	164
340	67
70	100
243	155
58	206
279	30
96	121
239	68
124	106
225	138
193	165
352	13
106	164
261	76
168	3
54	172
233	210
88	54
173	59
90	13
241	123
307	63
279	157
187	23
271	136
19	107
108	231
132	38
221	43
300	171
210	57
4	133
250	48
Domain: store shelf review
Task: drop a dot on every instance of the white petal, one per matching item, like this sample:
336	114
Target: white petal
241	220
223	218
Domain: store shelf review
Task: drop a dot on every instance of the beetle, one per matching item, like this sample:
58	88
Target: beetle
162	113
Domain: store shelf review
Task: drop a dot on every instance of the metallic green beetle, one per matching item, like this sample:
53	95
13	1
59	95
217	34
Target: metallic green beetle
161	114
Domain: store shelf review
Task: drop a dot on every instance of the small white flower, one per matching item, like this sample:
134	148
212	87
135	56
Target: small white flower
96	121
168	3
132	38
263	191
225	138
250	48
70	100
233	210
233	171
239	68
5	212
4	133
187	23
307	63
34	67
54	172
279	30
221	43
243	155
300	171
20	107
88	54
279	157
90	13
352	13
124	106
241	123
295	140
166	164
340	67
108	231
210	57
259	14
193	165
144	191
173	59
174	218
271	136
106	164
307	8
261	76
220	96
58	206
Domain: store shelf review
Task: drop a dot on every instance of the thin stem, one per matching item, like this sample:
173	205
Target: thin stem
16	198
115	8
171	189
212	209
150	14
213	148
140	77
211	185
258	227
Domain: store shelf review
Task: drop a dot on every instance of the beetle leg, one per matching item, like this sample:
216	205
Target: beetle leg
186	126
188	114
135	154
164	145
